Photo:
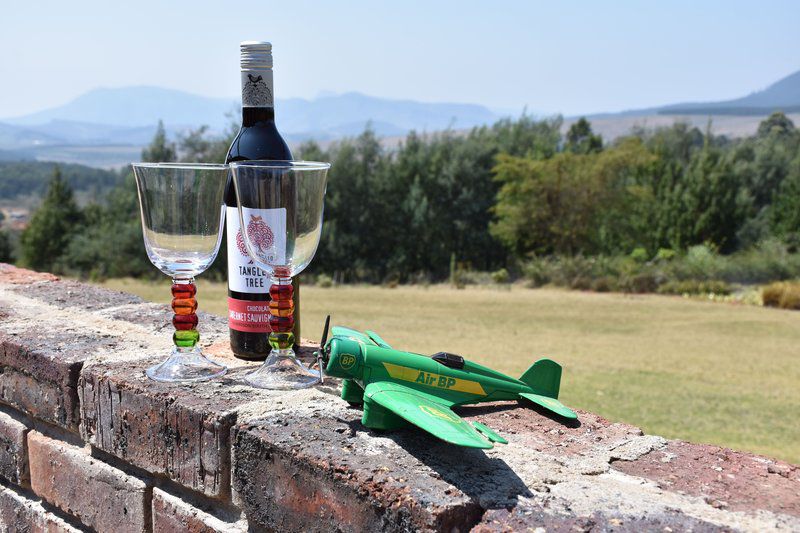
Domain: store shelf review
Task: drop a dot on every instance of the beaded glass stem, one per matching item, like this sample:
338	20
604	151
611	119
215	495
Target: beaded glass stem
184	305
282	369
281	313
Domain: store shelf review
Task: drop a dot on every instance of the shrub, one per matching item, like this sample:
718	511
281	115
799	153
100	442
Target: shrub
694	286
500	276
700	263
324	281
666	254
783	295
536	272
581	283
565	271
703	269
641	283
604	284
639	255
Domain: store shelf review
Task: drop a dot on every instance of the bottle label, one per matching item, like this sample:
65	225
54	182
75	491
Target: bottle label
266	229
247	316
257	88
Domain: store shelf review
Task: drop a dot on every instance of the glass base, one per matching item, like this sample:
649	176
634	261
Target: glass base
186	365
283	371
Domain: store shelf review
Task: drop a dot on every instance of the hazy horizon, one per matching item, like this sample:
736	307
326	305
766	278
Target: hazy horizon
585	58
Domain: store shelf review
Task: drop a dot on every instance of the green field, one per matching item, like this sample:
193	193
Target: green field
706	372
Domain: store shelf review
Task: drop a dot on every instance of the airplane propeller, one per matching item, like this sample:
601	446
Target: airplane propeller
322	356
325	332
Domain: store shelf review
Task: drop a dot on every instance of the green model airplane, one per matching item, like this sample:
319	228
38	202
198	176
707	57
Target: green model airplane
400	388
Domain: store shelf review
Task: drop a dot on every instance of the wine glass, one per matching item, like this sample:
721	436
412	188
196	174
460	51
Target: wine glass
182	216
280	213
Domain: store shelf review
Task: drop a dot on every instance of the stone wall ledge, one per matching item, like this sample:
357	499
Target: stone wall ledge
223	456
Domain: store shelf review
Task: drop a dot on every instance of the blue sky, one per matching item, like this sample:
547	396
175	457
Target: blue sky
571	57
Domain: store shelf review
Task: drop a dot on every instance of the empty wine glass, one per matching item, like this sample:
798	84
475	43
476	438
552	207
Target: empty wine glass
280	212
182	216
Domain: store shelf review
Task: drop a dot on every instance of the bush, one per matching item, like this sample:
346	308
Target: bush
500	276
604	284
324	281
782	295
639	255
701	270
536	272
641	283
693	286
666	254
581	283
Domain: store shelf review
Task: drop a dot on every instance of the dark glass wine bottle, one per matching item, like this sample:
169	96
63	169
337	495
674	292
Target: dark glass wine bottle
258	138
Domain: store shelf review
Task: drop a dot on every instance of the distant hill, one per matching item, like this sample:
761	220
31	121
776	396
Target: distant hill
347	114
108	127
783	95
25	179
128	115
131	107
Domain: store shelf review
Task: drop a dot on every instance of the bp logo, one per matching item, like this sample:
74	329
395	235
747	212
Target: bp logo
438	413
347	361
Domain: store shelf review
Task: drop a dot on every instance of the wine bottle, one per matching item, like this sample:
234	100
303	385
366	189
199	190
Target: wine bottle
258	138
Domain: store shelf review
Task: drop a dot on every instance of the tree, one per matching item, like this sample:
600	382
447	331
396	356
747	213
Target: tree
776	124
706	202
5	247
52	226
786	207
572	203
581	139
159	149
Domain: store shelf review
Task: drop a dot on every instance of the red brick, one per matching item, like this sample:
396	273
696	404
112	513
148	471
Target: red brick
13	450
23	515
46	400
99	495
20	276
162	428
170	513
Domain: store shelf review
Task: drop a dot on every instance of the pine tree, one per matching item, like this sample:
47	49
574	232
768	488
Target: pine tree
160	150
581	139
5	247
52	226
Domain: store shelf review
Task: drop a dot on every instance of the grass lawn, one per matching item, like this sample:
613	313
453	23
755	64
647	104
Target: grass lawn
707	372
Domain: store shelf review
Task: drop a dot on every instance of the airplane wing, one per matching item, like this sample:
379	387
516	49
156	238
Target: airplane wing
426	413
377	339
342	331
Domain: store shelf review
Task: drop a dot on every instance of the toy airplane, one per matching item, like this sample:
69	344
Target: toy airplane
400	388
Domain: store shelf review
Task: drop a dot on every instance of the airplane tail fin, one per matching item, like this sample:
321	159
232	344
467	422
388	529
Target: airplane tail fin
544	377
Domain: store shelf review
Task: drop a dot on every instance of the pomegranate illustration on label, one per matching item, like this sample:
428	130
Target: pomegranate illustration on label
260	234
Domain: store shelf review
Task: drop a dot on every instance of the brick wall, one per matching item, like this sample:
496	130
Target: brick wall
87	443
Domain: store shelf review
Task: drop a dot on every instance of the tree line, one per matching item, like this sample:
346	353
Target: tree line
492	198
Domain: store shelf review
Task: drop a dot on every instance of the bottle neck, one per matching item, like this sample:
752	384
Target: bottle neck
253	115
257	96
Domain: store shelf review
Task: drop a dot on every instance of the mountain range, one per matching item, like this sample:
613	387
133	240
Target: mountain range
106	124
128	115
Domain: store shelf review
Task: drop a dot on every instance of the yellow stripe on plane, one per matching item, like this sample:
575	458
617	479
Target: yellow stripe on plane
430	379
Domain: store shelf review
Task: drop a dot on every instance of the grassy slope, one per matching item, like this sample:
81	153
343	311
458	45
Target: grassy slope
717	373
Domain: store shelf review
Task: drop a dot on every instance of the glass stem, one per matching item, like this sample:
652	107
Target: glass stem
281	315
184	305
